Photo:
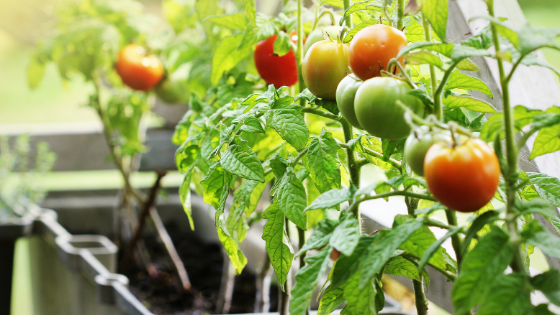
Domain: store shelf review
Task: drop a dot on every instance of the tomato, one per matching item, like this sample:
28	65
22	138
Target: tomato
377	110
372	48
317	35
462	177
345	95
274	69
324	66
174	89
138	70
418	144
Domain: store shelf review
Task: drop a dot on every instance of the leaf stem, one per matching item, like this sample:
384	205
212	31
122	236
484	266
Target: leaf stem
428	38
517	264
322	113
438	108
378	155
352	166
455	239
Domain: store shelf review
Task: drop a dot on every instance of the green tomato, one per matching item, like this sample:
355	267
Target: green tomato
317	35
324	66
377	110
174	88
418	144
345	95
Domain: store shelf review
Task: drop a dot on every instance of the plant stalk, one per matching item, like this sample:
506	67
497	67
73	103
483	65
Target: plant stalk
428	37
517	264
419	295
400	15
455	239
348	19
301	83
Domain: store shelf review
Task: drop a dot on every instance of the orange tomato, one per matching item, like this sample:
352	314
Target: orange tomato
137	70
463	177
372	48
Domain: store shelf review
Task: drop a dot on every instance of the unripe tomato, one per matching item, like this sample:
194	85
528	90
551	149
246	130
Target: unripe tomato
317	35
377	110
418	144
274	69
462	177
138	70
345	95
174	88
324	66
372	48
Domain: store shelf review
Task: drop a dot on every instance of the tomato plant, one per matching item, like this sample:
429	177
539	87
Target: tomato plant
417	145
377	110
345	95
324	66
138	70
274	69
463	176
372	48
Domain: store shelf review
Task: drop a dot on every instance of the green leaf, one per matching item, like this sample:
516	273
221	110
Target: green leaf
35	73
323	163
348	37
334	3
330	199
547	281
480	268
346	266
227	55
331	300
459	80
247	196
547	187
383	247
467	65
548	139
536	206
539	237
424	57
509	296
399	266
250	11
252	125
320	237
185	195
522	116
359	300
236	257
216	186
290	125
468	103
435	248
282	44
237	21
329	105
414	32
418	244
483	219
278	244
306	280
292	199
346	235
437	12
542	309
532	38
445	49
240	160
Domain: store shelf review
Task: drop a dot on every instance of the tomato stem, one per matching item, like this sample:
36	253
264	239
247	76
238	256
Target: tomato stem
428	37
301	83
395	62
517	264
348	19
400	14
438	108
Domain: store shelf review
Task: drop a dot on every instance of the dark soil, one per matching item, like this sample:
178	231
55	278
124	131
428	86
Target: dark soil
162	292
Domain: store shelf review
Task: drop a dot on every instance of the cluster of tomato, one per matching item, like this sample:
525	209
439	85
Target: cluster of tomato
461	172
142	71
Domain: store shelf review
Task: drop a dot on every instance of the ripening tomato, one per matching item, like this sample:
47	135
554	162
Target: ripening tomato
318	35
372	48
345	95
174	88
138	70
324	66
462	177
418	144
377	110
274	69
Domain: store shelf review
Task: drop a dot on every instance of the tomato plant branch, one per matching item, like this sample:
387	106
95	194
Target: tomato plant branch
420	297
322	113
397	193
523	139
511	152
378	155
438	108
449	275
395	62
299	156
352	166
400	15
428	38
301	83
348	18
455	239
318	18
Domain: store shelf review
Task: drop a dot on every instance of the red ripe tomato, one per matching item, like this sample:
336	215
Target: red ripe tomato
274	69
324	66
372	48
464	177
138	70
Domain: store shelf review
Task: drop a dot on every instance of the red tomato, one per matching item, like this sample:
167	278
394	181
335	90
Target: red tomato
274	69
464	177
138	70
372	48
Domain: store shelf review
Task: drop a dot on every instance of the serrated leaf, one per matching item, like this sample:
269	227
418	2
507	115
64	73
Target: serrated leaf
348	37
240	160
467	65
330	198
522	116
323	163
479	269
227	55
359	300
468	103
445	49
306	280
539	237
292	199
477	225
346	235
250	11
399	266
282	44
252	125
548	139
423	57
437	11
278	244
547	187
320	237
216	186
185	195
509	296
536	206
419	242
247	196
459	80
290	125
547	281
435	248
331	300
346	266
236	256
